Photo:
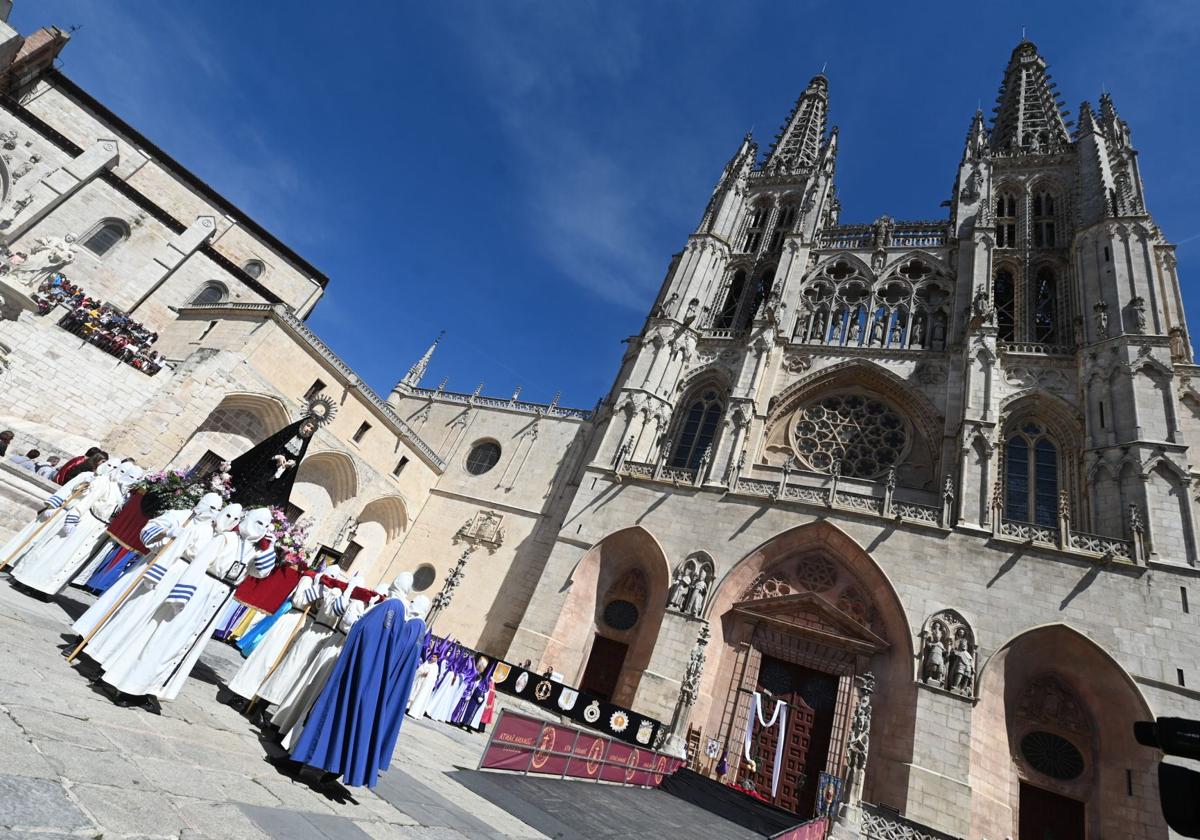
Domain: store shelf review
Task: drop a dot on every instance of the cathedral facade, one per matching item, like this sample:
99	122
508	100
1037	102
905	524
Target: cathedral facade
943	467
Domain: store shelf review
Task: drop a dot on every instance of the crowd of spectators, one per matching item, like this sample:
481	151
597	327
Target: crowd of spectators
100	323
51	467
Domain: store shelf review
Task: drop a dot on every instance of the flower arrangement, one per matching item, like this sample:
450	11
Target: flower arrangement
290	537
180	489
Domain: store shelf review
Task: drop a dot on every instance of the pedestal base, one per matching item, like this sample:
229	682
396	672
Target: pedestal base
675	746
848	825
14	299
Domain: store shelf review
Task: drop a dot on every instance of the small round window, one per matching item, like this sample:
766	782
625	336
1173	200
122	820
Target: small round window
1053	755
620	615
423	577
483	457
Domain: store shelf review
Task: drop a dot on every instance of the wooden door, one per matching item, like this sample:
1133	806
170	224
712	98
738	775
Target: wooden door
604	667
1049	816
793	776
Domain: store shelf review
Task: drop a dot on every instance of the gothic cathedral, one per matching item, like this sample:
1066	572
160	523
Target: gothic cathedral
945	464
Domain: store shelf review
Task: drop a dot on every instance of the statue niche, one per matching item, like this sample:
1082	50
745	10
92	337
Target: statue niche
948	654
690	585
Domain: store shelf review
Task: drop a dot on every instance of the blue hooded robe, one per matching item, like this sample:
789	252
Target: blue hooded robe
354	723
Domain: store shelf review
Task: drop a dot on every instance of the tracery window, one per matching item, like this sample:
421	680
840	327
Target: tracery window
1043	297
1031	476
1004	298
1006	220
727	315
756	226
699	429
865	435
783	226
254	268
1043	220
210	293
762	289
907	310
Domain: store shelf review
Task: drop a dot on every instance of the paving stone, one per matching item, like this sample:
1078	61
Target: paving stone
218	821
124	811
299	825
295	795
42	723
80	764
21	758
135	743
179	778
38	803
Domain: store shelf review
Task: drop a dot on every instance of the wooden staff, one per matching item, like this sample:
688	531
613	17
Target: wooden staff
82	488
73	655
279	659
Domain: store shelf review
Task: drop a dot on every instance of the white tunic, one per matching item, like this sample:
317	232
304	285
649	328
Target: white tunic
52	564
422	690
293	710
446	697
254	670
327	608
167	560
162	651
57	511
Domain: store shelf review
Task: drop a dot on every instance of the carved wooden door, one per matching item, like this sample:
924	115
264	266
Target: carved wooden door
794	790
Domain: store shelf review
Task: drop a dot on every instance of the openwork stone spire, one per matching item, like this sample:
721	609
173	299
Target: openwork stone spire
415	373
798	145
1029	117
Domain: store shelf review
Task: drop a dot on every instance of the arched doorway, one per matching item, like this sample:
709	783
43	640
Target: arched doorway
801	618
612	616
1052	746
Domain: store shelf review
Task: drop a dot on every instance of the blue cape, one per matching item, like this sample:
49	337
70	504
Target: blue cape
354	723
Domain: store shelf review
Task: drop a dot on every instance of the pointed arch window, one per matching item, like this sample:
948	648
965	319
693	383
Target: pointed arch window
1004	298
1043	220
783	226
1006	220
762	288
727	315
1044	297
1031	476
699	429
106	236
756	226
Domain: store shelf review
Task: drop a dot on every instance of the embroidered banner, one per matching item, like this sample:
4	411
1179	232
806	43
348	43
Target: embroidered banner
527	745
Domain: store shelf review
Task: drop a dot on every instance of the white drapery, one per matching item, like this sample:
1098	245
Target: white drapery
780	715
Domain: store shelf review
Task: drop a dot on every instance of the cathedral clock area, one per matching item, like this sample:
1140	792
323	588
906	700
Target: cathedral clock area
922	481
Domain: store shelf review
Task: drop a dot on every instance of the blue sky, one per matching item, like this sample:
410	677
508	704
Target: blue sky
519	173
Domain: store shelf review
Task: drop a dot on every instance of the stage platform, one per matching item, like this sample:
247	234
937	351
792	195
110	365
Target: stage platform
569	810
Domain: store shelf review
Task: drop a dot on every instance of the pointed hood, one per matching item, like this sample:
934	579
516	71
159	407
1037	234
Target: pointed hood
1029	117
798	144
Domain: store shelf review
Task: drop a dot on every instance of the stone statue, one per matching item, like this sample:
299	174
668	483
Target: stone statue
962	672
1101	310
694	605
679	590
860	741
1138	307
1178	344
897	333
933	669
854	332
918	332
877	332
981	307
49	254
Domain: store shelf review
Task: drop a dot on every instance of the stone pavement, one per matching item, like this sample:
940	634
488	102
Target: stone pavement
74	765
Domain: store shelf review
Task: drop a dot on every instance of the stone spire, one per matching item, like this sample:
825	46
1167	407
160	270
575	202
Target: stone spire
413	378
977	139
1029	116
1116	130
798	144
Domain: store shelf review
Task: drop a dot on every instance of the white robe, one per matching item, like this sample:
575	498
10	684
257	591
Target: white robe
49	567
9	553
293	710
89	569
422	689
446	697
249	678
170	559
160	653
327	609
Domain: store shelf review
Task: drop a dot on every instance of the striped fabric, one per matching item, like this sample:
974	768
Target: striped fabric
340	603
151	533
306	595
265	562
54	502
181	593
72	518
155	573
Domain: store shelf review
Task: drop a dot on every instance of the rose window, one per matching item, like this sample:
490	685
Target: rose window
867	436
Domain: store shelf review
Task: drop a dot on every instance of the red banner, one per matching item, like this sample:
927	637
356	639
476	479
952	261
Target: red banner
814	830
527	745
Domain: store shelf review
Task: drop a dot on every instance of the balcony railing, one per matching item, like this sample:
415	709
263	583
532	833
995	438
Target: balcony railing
882	824
1037	348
